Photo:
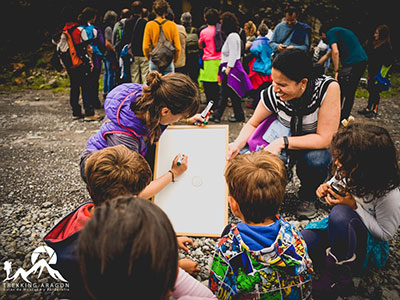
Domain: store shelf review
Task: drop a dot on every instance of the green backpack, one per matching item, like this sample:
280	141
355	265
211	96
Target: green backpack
192	42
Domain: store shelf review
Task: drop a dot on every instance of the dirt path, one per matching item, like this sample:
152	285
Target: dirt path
40	147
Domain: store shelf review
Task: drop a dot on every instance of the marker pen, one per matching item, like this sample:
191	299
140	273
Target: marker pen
180	159
205	113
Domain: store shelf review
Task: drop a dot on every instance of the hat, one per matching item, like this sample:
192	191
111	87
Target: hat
186	17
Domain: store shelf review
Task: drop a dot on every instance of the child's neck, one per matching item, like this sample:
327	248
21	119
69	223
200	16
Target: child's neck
266	222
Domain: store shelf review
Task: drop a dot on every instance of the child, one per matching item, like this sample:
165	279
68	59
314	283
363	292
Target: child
139	114
365	210
111	172
264	256
129	249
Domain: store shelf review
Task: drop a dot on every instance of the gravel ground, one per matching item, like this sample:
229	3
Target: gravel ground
40	147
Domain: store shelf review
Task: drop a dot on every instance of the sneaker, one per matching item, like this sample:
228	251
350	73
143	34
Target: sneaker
233	119
306	210
92	118
371	114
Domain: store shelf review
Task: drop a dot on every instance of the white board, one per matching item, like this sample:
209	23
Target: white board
197	202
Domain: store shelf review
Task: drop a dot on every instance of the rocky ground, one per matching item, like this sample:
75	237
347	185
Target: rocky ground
40	147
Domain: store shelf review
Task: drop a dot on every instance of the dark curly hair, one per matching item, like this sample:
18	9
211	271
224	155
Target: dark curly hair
368	159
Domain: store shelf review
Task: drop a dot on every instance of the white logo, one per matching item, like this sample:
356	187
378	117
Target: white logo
37	265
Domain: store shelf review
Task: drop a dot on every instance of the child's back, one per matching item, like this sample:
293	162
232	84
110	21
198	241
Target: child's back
264	255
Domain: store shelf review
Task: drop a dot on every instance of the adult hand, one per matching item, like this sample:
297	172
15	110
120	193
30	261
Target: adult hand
333	198
179	170
276	146
282	47
228	70
233	150
182	240
197	118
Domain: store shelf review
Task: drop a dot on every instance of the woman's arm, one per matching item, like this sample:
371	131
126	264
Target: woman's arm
328	123
260	114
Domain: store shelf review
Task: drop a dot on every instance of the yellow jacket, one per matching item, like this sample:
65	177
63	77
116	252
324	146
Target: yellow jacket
152	33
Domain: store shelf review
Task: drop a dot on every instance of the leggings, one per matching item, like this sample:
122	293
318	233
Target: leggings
346	235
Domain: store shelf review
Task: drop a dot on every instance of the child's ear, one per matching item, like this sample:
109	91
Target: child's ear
165	111
234	206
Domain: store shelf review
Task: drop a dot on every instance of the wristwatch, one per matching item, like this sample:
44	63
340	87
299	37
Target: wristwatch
286	141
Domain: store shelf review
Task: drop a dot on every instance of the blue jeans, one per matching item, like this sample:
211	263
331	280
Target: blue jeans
109	74
346	235
168	69
312	168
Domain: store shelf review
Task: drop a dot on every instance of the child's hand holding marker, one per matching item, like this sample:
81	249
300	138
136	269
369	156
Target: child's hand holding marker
205	115
179	164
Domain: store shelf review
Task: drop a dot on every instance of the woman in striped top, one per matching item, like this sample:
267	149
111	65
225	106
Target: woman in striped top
308	114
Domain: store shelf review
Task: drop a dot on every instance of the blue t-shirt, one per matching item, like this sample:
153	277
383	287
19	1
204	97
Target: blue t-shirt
258	237
350	49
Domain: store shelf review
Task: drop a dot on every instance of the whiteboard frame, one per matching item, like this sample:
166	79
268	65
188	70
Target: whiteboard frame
207	127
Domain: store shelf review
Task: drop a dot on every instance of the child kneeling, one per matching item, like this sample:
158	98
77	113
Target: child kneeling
263	256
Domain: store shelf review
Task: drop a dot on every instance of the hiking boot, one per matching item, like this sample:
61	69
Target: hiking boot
93	118
306	210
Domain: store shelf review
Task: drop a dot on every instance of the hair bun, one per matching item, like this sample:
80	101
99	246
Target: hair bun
153	80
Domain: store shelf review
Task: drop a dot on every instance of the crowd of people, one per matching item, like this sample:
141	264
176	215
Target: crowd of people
122	244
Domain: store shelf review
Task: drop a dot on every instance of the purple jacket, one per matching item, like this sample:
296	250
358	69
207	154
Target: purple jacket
123	119
238	79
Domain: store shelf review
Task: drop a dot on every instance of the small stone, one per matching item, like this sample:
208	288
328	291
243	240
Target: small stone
46	204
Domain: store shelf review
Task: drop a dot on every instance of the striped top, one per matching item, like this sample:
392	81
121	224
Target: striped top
285	110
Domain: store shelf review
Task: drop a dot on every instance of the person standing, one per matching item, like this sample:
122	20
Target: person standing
119	41
380	57
235	82
211	57
192	47
110	57
180	65
346	49
290	33
152	34
133	36
89	31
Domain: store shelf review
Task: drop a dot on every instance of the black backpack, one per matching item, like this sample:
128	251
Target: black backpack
163	53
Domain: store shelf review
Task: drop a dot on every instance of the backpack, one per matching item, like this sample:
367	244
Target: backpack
74	55
192	42
219	38
163	53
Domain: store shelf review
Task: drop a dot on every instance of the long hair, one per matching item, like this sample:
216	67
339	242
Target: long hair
229	23
384	36
368	158
128	250
175	91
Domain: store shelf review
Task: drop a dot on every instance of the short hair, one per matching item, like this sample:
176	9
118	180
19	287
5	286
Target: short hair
211	16
126	13
368	158
128	248
263	29
87	14
137	7
160	7
295	64
116	171
229	23
257	182
290	10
